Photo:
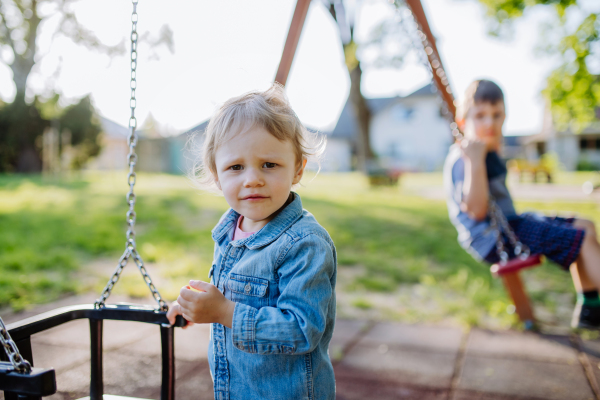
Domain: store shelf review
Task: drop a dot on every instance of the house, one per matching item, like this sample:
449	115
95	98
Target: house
155	153
512	146
113	147
574	151
408	133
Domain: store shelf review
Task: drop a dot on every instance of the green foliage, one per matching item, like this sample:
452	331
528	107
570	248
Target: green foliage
574	93
82	122
572	89
22	126
586	165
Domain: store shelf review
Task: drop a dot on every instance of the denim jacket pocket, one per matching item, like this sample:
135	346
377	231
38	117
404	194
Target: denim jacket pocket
248	290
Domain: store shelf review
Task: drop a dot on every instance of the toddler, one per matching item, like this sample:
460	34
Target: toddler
271	296
474	173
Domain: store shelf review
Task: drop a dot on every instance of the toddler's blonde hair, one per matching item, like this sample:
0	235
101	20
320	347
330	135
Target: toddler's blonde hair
270	110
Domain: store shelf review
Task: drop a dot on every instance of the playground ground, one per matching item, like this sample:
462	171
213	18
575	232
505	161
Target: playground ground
372	360
437	330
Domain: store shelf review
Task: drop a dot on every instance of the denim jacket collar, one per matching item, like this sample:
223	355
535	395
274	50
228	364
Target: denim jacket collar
268	233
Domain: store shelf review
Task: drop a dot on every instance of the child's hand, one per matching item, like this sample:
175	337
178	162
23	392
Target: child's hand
473	149
173	312
205	305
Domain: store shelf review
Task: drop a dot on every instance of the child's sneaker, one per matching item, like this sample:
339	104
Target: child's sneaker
585	316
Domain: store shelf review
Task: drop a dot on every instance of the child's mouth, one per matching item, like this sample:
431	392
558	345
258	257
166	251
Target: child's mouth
254	197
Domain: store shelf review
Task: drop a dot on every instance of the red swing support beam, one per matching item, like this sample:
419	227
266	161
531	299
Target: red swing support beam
291	43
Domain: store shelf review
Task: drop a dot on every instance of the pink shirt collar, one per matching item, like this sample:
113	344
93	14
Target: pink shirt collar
239	234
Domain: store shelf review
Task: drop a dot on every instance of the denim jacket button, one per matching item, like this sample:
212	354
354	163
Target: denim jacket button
247	288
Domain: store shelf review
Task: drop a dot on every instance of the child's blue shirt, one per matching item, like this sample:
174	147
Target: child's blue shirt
282	279
474	236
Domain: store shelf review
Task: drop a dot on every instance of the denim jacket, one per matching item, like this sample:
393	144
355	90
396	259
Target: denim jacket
282	279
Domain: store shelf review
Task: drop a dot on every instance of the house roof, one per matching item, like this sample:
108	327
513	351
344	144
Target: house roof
201	127
346	125
112	129
427	90
513	140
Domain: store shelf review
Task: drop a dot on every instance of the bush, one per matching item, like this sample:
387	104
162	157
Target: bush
22	126
586	165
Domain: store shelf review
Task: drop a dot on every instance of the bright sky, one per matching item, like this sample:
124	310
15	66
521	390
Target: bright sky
225	48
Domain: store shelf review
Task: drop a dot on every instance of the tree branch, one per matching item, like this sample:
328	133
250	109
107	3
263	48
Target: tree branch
71	28
8	30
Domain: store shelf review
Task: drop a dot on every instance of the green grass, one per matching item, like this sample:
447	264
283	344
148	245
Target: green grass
398	255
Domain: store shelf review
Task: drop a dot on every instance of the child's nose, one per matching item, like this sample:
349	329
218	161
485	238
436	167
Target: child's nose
488	122
253	178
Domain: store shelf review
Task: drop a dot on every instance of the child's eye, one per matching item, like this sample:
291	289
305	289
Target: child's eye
269	165
236	167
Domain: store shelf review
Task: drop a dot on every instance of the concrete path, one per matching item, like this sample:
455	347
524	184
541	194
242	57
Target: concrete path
372	360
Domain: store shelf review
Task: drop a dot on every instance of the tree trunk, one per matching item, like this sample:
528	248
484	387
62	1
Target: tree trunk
363	120
23	62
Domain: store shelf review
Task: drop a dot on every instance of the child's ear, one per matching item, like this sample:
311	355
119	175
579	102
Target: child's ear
300	171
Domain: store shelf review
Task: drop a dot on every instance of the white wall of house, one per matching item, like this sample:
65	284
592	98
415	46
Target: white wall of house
411	134
567	149
113	155
336	157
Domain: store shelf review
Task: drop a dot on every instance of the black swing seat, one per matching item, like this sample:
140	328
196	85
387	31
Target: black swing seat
42	382
39	382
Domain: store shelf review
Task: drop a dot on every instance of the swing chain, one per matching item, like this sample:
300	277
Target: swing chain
499	224
431	61
130	245
19	364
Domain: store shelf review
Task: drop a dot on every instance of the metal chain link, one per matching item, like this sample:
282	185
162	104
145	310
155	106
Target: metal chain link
429	57
130	245
500	224
19	364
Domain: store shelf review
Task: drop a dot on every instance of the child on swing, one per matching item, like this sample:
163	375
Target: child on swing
271	296
473	172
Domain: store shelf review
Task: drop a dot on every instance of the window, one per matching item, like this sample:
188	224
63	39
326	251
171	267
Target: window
541	148
583	144
401	113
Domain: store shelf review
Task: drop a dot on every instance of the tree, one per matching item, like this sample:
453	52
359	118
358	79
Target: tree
20	124
573	88
385	36
82	122
19	24
361	108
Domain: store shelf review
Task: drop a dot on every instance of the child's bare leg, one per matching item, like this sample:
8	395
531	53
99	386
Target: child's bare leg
586	278
586	270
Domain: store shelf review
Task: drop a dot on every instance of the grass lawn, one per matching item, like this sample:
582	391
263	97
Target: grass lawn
398	254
